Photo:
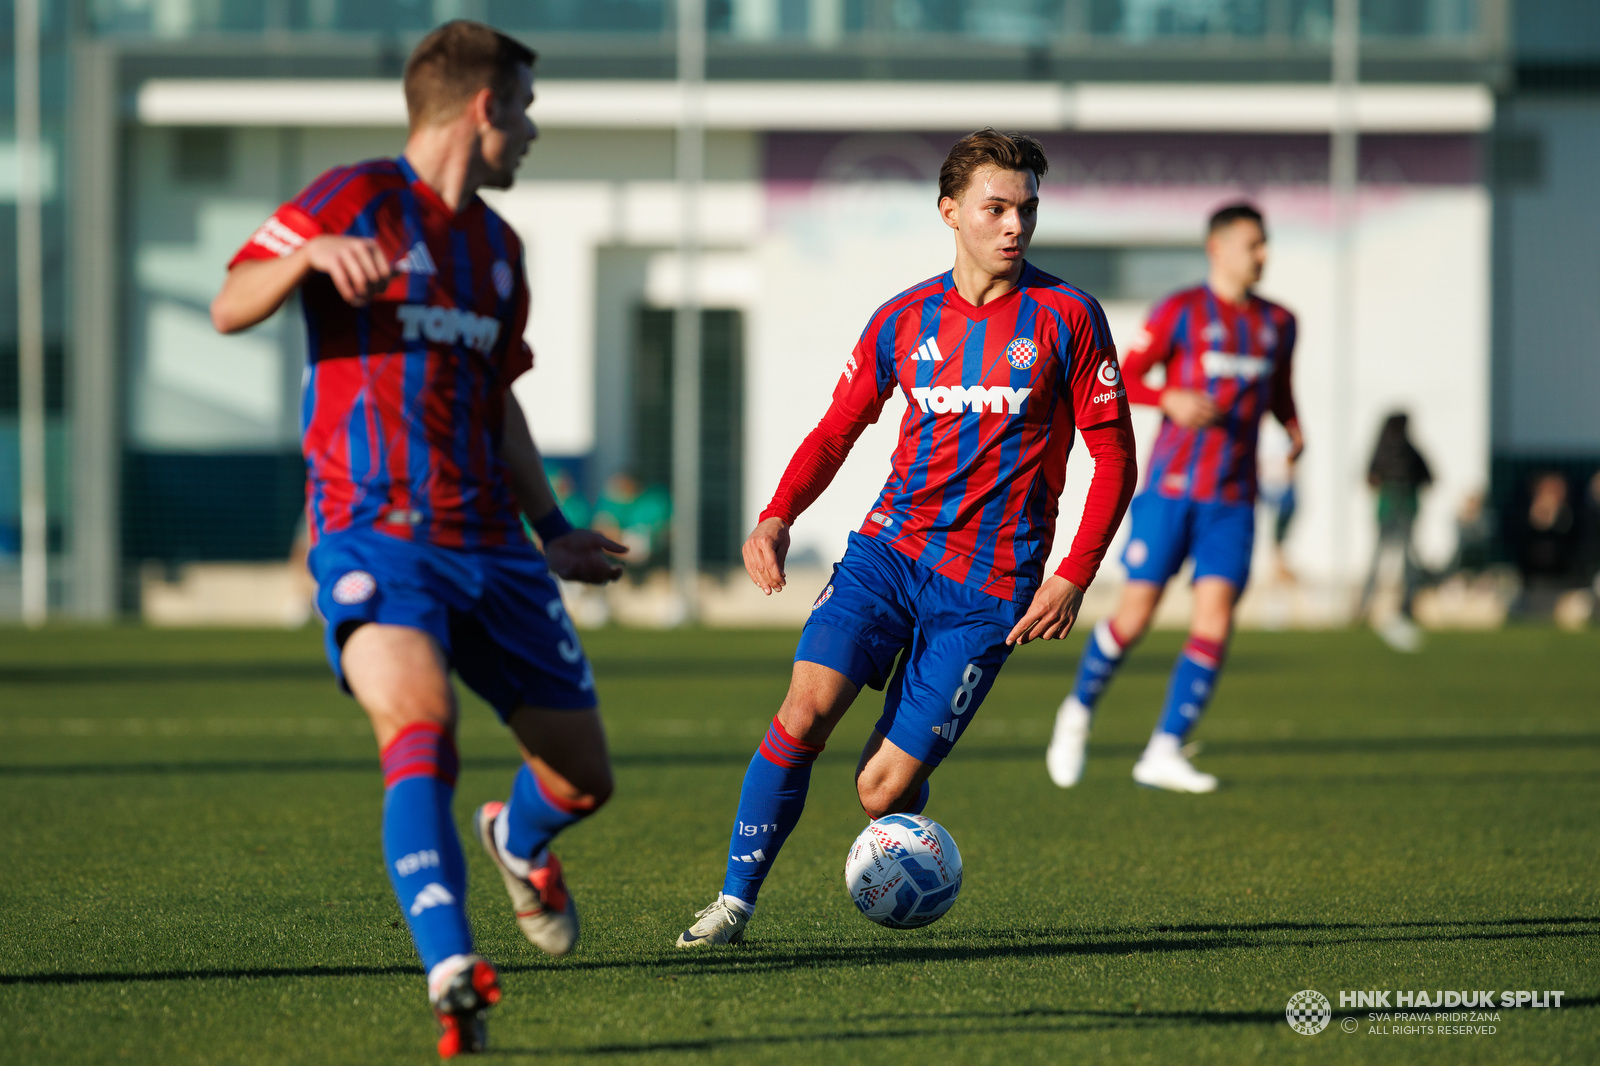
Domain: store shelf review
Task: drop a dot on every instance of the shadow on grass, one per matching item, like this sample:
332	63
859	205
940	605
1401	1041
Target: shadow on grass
1008	1023
932	1025
1014	944
141	976
1004	944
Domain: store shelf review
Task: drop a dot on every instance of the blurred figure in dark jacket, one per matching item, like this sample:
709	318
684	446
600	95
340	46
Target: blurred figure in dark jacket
1548	540
1398	473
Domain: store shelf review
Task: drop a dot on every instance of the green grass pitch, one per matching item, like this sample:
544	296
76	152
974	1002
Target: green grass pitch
192	871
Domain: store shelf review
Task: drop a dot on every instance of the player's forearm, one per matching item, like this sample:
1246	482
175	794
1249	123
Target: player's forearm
811	470
1115	473
1283	409
530	485
1139	362
1141	393
255	289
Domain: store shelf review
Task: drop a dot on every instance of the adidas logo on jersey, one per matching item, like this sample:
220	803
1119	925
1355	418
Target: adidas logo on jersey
1229	365
448	325
416	261
944	399
928	352
433	894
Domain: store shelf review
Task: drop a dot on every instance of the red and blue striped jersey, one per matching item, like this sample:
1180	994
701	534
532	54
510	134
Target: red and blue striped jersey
993	395
1238	354
404	400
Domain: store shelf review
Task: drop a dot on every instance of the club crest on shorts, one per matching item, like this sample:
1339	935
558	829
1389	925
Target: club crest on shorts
1138	552
501	275
822	599
1022	352
355	587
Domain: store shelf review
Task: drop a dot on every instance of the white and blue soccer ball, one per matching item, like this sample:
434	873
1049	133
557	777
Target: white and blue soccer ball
903	871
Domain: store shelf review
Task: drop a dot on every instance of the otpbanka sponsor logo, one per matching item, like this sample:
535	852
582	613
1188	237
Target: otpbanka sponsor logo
1441	1012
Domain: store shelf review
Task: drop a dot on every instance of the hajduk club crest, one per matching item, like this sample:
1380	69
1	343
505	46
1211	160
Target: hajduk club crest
1022	352
357	586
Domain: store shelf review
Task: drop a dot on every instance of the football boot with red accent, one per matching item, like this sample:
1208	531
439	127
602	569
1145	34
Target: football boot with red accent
546	912
461	991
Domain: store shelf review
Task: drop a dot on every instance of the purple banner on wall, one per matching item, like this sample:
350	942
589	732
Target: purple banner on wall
1246	160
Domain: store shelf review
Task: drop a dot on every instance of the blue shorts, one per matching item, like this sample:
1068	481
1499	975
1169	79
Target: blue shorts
951	640
1165	531
496	613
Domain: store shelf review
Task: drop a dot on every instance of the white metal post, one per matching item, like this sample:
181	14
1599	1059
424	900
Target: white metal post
686	325
30	320
1344	163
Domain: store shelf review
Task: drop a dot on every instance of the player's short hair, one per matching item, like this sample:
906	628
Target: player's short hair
989	147
456	60
1224	217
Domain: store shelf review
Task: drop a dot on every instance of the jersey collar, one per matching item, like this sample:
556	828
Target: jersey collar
956	302
428	196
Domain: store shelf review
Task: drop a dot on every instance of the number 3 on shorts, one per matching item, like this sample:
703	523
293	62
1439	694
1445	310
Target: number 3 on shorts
963	695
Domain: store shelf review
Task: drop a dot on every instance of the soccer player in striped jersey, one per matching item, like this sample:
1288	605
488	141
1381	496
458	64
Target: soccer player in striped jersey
1227	354
999	363
420	469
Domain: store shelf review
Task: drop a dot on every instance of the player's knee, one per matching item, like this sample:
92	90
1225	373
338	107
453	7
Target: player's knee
804	719
593	790
881	798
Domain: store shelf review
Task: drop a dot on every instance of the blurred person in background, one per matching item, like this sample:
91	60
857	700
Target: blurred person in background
637	516
1591	534
1397	473
1548	547
1475	531
420	470
568	496
1228	356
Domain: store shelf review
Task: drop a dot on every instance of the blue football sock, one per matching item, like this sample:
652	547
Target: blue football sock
770	803
534	816
1102	654
922	801
420	845
1194	677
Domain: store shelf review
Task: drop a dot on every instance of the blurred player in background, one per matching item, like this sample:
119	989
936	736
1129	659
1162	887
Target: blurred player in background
1397	475
418	462
1227	355
999	362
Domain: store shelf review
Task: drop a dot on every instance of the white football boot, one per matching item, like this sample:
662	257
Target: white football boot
1065	755
1401	634
1163	766
720	923
546	912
